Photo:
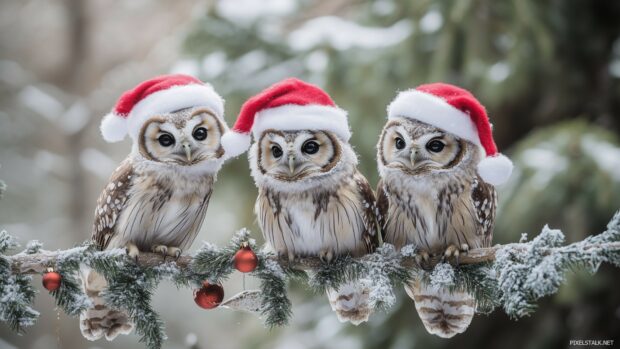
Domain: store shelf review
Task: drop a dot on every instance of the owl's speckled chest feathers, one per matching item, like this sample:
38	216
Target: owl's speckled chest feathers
433	211
163	206
311	222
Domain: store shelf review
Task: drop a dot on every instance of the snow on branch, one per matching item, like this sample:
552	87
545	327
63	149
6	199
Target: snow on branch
513	276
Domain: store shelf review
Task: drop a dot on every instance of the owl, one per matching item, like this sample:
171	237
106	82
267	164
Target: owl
157	198
437	166
312	200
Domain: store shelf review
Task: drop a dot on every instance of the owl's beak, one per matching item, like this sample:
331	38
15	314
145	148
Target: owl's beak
188	150
412	157
291	163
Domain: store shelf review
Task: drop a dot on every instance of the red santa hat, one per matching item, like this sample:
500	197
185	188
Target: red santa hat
162	94
290	104
457	111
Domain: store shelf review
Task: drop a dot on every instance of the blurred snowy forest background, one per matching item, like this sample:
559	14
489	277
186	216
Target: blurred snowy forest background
548	72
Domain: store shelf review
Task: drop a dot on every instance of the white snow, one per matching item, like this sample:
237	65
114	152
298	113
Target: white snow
250	62
442	276
431	21
191	340
185	66
383	7
75	118
317	61
33	246
546	162
97	162
342	34
614	68
606	155
48	162
408	250
214	64
248	11
499	71
41	102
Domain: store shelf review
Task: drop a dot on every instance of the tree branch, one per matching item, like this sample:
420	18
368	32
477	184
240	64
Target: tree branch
520	274
37	263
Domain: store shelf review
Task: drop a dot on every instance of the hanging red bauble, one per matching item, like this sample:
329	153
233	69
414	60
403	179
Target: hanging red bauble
245	259
51	280
209	295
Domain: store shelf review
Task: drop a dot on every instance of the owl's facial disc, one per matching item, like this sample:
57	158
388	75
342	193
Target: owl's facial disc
185	138
291	156
415	148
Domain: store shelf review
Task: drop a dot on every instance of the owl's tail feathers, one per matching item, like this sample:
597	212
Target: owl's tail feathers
350	302
443	313
99	320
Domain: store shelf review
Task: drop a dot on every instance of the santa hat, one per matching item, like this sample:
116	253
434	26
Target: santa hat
457	111
288	105
163	94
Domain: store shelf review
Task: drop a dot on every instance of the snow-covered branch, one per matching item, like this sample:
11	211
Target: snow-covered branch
37	263
513	276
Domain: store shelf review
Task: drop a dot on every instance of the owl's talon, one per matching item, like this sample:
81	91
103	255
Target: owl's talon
174	252
464	248
132	251
422	258
291	258
455	251
160	249
326	256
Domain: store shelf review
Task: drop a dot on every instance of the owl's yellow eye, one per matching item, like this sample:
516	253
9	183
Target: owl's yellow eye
276	151
166	140
400	143
435	146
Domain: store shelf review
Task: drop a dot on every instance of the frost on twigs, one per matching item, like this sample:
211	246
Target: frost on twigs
529	271
382	269
512	276
16	292
442	276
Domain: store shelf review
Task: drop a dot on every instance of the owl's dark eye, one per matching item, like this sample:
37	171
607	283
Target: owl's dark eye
400	143
435	146
200	134
166	140
276	151
310	147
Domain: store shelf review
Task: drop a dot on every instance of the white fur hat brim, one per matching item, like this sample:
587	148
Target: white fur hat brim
115	127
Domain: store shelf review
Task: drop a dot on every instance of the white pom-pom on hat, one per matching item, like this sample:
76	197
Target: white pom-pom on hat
495	169
235	143
113	128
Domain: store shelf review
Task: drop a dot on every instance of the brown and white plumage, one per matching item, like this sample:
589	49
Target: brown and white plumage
430	195
156	201
315	203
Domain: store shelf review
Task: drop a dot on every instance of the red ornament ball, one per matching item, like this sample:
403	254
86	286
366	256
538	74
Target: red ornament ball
52	280
209	296
245	259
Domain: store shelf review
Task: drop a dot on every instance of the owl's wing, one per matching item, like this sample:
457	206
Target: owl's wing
383	205
370	235
111	203
484	198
